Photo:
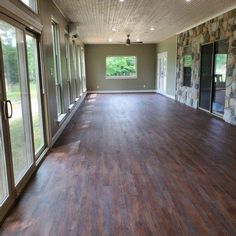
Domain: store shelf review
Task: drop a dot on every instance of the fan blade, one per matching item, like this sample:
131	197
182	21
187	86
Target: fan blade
137	42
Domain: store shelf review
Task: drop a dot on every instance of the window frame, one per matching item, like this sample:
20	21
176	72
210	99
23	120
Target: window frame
35	11
123	77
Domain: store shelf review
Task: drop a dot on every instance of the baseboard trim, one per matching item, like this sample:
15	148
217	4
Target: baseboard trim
166	95
67	120
123	91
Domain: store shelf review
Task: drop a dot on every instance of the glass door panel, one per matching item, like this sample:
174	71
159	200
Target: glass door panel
219	86
206	76
35	92
162	72
3	173
13	53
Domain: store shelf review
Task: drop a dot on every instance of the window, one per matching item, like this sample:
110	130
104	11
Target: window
79	70
32	4
57	67
76	69
35	92
121	67
83	70
187	66
68	67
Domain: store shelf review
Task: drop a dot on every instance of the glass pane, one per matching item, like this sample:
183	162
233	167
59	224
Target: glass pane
31	4
83	70
79	71
221	52
35	92
122	66
16	88
187	66
75	67
3	173
206	77
68	68
57	66
73	70
162	73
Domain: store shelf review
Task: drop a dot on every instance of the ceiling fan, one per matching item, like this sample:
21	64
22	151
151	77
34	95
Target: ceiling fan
128	41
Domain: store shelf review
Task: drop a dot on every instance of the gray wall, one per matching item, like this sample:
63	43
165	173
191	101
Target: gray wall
95	67
170	46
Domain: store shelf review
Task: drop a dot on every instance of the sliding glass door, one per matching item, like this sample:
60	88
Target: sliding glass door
22	136
213	77
206	76
17	97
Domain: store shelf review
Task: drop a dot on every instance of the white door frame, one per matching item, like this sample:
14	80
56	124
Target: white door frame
158	80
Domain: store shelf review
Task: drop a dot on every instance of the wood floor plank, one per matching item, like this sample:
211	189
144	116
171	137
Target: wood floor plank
133	164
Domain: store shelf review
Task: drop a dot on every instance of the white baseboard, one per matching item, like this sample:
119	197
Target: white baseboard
123	91
165	94
67	120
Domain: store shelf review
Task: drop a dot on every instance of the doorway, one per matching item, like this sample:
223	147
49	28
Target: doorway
162	72
213	77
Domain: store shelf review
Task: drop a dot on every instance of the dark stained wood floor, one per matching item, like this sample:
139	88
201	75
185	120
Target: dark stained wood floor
134	165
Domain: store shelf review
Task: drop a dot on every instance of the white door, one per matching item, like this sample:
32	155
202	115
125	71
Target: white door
162	72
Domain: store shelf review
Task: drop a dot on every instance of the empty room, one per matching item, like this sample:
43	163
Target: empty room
117	117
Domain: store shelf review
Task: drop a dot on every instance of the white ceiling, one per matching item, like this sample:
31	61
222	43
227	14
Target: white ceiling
96	18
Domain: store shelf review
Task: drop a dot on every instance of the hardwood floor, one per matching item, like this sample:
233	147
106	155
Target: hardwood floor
134	165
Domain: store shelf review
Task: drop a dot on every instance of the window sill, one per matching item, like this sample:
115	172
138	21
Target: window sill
77	99
61	118
71	106
122	77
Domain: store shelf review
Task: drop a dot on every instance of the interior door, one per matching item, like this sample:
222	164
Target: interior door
162	72
206	76
16	98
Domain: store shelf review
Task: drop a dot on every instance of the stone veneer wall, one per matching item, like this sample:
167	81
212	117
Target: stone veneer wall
222	27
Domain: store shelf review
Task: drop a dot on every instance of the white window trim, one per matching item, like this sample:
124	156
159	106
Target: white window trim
36	11
122	77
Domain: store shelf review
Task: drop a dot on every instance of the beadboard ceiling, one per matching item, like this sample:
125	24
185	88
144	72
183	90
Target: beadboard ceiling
97	18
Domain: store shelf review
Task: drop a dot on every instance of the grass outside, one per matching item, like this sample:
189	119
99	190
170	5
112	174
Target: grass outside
17	132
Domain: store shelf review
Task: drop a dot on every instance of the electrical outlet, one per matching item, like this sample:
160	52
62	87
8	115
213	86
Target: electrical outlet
98	87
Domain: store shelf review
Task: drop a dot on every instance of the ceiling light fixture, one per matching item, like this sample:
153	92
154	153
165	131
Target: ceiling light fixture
152	28
110	40
121	0
188	0
113	29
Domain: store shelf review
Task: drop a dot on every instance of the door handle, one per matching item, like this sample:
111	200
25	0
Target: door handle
5	109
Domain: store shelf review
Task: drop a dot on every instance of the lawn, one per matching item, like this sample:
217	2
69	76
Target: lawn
18	134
